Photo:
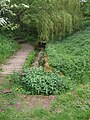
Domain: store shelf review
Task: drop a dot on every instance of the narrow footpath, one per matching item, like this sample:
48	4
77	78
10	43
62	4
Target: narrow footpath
15	63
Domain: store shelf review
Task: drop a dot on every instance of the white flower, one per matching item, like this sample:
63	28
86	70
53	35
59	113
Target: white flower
26	6
2	21
8	0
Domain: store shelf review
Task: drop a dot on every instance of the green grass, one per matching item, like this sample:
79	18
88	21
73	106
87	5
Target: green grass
30	59
7	48
73	105
72	56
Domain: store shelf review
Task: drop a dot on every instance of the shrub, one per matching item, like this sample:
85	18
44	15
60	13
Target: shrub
38	82
72	56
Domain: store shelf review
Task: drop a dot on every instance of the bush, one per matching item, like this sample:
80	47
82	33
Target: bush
39	82
72	56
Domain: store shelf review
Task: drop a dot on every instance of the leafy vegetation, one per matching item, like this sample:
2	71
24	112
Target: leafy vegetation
69	59
36	81
85	9
5	13
72	56
46	19
30	59
3	9
59	17
7	48
86	22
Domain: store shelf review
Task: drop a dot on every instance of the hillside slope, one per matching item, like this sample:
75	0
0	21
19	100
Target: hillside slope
72	56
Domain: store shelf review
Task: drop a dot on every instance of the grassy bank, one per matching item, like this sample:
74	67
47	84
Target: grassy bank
71	57
7	48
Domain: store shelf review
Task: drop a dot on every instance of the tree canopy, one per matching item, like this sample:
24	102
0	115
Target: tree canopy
50	19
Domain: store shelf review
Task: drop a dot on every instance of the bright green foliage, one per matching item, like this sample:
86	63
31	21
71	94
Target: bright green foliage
7	48
50	18
72	56
36	81
30	59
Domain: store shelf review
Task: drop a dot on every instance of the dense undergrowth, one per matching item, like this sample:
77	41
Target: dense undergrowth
7	48
72	56
37	81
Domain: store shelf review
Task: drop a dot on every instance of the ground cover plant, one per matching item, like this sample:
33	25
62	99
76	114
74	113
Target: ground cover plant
30	59
37	82
7	48
72	56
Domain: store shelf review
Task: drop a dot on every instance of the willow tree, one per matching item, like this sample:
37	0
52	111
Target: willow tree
52	18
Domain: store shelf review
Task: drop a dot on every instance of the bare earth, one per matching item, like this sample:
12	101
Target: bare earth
34	101
16	62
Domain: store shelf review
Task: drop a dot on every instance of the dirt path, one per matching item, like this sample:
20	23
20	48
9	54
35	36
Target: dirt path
16	62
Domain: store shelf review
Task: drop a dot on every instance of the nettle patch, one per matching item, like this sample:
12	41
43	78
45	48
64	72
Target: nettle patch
37	81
